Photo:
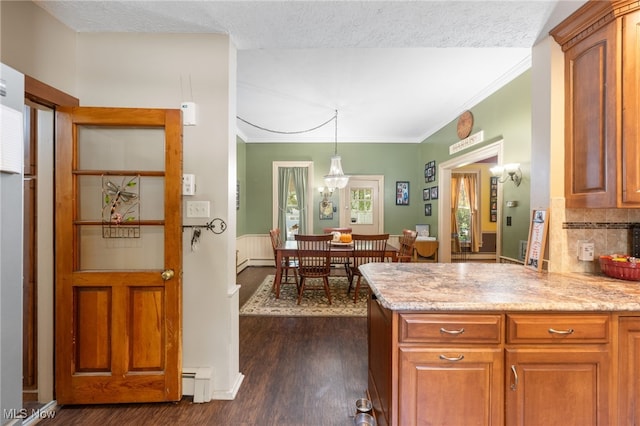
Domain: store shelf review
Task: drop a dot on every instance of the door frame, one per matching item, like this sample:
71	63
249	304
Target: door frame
48	96
344	202
444	218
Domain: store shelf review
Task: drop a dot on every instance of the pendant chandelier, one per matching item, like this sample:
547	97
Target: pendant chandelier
336	177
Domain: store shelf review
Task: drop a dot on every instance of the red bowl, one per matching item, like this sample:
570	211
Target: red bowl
621	270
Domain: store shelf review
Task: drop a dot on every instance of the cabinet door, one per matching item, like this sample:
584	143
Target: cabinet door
460	386
590	135
629	365
631	110
558	386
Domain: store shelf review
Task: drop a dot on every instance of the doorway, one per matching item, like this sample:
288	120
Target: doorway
445	170
361	208
41	100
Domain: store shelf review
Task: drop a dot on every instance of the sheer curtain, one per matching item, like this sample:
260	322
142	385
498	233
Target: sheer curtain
299	176
471	187
455	190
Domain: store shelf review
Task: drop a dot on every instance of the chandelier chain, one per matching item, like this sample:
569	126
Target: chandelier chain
335	117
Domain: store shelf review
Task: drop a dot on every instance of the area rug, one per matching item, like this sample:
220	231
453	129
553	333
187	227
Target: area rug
313	303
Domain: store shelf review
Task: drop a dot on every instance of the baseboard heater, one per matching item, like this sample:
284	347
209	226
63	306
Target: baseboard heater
196	382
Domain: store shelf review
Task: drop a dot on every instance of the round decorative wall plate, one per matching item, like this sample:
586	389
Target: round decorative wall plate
465	124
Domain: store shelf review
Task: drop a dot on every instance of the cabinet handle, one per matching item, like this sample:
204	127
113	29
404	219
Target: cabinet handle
448	358
567	331
514	385
445	331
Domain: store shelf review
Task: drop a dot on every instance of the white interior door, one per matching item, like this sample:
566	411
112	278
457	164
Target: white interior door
361	204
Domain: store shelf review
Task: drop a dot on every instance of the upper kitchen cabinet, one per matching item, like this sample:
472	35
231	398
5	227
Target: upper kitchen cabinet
601	41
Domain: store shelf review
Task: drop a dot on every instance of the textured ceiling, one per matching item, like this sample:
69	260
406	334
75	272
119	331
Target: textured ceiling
396	71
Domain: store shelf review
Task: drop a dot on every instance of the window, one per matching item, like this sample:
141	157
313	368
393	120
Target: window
463	213
361	206
292	197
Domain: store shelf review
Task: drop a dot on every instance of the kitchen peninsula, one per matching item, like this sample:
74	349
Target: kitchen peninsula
494	344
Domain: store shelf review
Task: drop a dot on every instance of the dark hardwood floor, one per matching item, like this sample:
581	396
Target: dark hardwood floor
298	371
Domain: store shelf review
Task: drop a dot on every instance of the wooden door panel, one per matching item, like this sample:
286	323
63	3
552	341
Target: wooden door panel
568	386
630	170
146	313
118	319
92	329
430	385
590	138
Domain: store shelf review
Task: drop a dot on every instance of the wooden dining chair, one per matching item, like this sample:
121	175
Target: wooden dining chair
407	242
366	249
314	261
340	261
288	263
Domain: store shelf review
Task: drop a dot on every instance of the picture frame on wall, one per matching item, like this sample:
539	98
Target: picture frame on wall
430	171
402	193
426	194
434	192
427	209
493	199
326	210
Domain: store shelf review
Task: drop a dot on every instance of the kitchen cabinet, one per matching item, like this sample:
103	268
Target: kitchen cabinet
629	371
559	370
601	43
490	368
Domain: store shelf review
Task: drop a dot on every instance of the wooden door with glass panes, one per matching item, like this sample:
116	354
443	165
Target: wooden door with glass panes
118	255
361	205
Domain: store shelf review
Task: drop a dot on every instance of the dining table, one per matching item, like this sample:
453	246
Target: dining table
289	249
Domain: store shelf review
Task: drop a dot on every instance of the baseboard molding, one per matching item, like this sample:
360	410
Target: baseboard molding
48	411
231	393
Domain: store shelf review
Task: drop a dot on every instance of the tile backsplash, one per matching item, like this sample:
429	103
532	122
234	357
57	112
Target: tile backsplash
608	229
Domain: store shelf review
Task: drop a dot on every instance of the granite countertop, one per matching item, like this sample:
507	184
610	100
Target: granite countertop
495	287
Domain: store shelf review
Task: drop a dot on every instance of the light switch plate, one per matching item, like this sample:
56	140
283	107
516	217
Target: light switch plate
198	208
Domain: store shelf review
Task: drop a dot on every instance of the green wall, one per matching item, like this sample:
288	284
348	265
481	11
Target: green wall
506	115
394	161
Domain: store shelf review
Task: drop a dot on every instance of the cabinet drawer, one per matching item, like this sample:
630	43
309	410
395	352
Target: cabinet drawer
557	328
448	328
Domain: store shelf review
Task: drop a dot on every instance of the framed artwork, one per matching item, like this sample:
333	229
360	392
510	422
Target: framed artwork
493	199
430	171
326	210
434	192
402	193
427	209
426	194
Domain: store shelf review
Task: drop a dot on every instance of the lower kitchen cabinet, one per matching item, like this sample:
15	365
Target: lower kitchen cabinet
629	371
502	368
558	386
450	386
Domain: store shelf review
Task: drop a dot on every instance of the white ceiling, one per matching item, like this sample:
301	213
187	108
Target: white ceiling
396	71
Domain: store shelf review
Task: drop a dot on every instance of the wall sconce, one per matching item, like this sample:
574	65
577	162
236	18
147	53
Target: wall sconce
507	172
325	193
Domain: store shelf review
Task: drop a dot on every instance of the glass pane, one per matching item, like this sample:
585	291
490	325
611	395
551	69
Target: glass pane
120	148
98	253
361	206
293	212
97	193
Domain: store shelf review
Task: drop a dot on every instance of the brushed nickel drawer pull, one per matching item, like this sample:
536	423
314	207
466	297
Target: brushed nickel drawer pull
445	331
447	358
567	331
514	385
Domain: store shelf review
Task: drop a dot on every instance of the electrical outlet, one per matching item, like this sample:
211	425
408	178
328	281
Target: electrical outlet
198	208
586	250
